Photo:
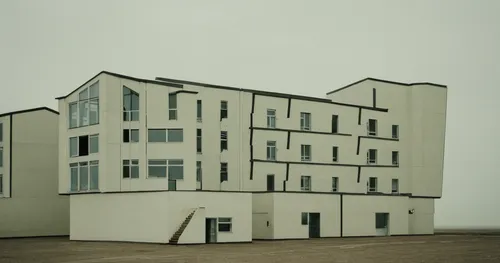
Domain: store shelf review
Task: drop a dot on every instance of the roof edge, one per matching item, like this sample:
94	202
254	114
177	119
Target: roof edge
389	82
29	110
194	83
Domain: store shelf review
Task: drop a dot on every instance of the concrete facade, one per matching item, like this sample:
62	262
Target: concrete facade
165	137
29	201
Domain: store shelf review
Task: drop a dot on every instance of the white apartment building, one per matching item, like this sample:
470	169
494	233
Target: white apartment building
29	202
172	161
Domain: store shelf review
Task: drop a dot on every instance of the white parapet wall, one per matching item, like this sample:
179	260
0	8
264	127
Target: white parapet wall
154	217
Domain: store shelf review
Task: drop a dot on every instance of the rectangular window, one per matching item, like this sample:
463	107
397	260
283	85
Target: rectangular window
395	185
84	176
130	169
223	140
271	150
175	169
371	156
305	153
1	132
271	118
130	105
395	131
94	111
335	153
305	121
175	135
94	175
372	184
73	177
372	127
1	184
335	124
94	143
73	115
198	141
223	109
73	146
157	168
157	135
172	106
1	156
84	113
83	145
304	218
198	110
305	183
225	224
395	158
131	135
335	184
270	182
223	172
198	171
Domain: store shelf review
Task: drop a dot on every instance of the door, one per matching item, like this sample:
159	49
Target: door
382	224
270	182
211	230
314	225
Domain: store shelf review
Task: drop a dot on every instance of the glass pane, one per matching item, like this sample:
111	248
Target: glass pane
134	171
198	109
94	144
134	103
175	172
1	156
224	220
175	135
172	114
74	179
84	94
225	227
157	162
157	135
94	111
73	115
126	171
84	113
198	171
134	116
157	171
127	102
94	177
84	178
172	185
73	146
304	217
172	101
134	135
94	90
1	132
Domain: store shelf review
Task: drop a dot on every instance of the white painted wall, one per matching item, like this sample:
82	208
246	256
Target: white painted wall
422	221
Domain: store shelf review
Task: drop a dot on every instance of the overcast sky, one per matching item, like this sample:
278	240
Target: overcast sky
48	48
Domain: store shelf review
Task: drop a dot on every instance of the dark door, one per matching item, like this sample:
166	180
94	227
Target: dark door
270	182
210	230
314	226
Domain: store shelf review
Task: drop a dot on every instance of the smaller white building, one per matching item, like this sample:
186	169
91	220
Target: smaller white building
29	200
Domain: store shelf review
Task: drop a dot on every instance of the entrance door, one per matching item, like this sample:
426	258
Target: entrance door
211	230
270	182
314	226
382	224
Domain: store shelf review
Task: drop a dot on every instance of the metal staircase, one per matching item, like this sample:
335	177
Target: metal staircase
175	238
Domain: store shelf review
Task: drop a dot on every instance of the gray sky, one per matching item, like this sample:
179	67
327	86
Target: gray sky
48	48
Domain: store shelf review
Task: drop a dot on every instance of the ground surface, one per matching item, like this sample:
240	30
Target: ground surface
439	248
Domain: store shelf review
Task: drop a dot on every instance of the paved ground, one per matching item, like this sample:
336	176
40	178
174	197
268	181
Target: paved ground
440	248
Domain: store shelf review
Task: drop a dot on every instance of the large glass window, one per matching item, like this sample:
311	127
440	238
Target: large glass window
85	111
84	176
175	169
131	169
130	105
157	168
165	135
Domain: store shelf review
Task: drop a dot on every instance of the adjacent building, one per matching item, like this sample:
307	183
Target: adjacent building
29	201
173	161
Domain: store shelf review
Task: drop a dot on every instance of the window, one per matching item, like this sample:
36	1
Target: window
172	106
1	132
305	152
223	109
305	121
198	110
223	172
335	123
223	140
1	156
86	111
130	135
94	143
270	182
83	145
130	169
395	131
160	168
172	185
130	105
271	118
84	176
225	224
73	146
198	171
165	135
395	185
271	150
198	140
395	158
304	218
371	156
372	184
335	153
157	168
175	169
335	184
372	127
305	183
1	184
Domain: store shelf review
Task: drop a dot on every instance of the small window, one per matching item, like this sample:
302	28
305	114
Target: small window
305	153
335	184
157	168
131	169
198	141
335	123
157	135
223	109
172	106
305	121
395	186
1	132
372	127
223	140
198	171
395	158
335	153
371	156
1	184
225	224
304	218
223	172
130	135
271	150
94	143
305	183
372	184
270	182
271	118
198	110
395	131
73	146
1	156
175	135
